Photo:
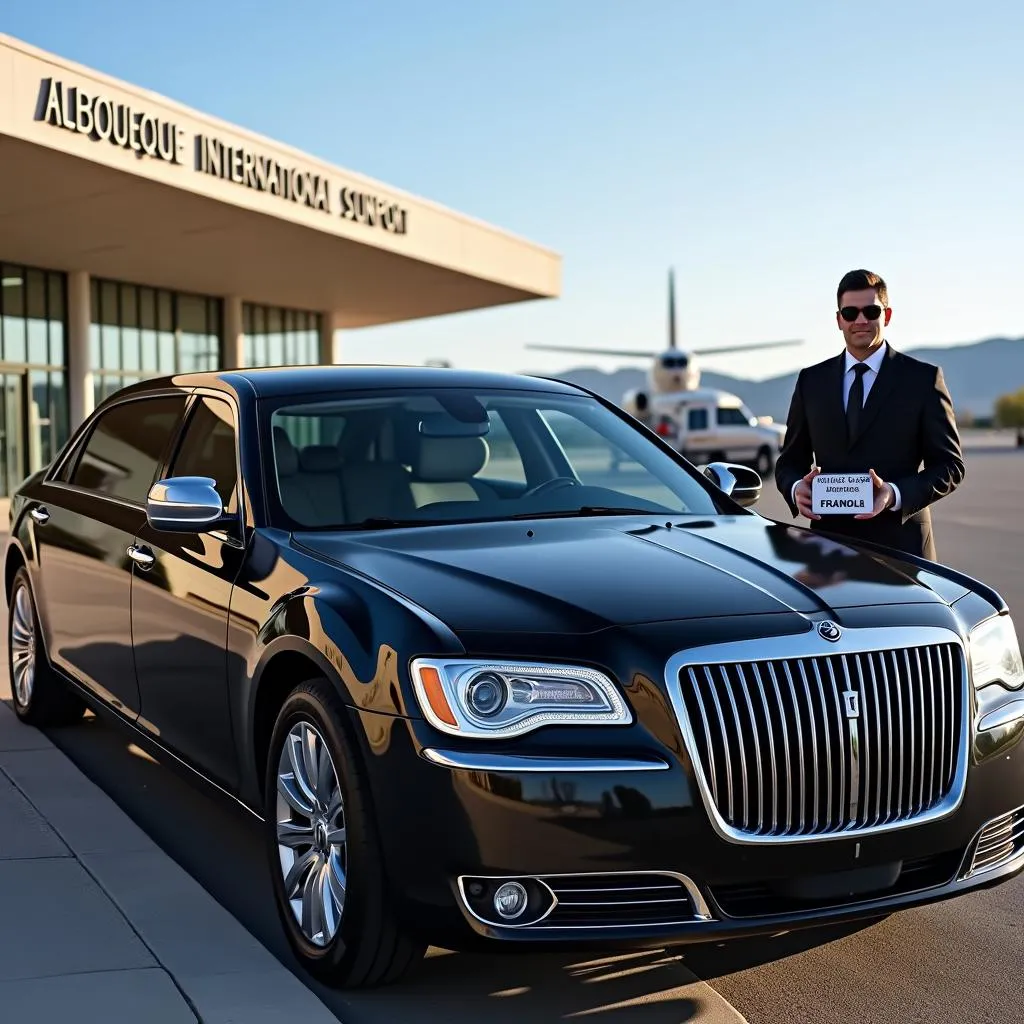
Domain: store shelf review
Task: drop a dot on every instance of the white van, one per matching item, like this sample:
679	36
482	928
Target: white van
708	425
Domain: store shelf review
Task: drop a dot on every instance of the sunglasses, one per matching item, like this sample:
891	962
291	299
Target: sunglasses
849	313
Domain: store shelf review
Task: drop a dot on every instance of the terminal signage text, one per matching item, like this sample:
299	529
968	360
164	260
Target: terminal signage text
102	119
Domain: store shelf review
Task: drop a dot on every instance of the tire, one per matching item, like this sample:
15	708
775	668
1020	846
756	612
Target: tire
368	945
39	695
764	463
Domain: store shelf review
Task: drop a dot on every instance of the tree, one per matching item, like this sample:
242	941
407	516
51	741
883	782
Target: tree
1010	413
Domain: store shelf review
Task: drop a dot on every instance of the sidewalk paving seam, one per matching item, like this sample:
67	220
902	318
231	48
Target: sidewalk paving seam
82	974
74	856
36	860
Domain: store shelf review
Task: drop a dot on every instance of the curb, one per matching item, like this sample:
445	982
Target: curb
177	932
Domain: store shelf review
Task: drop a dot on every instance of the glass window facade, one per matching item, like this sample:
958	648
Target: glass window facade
140	332
280	337
33	383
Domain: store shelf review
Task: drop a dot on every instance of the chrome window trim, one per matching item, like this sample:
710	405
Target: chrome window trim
854	640
484	762
61	485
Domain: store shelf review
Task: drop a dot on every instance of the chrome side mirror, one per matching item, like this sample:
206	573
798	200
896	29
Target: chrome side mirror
741	483
184	504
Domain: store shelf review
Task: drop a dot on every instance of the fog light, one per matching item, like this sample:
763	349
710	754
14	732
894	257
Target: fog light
510	900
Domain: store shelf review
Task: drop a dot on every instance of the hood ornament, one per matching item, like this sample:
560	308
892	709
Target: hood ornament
828	630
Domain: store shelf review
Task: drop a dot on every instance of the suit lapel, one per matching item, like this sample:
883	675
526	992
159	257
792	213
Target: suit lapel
880	391
834	398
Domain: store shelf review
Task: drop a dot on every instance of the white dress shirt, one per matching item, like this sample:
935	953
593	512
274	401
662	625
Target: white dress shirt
874	364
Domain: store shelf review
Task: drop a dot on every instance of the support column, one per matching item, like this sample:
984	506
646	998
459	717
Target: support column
330	344
81	393
234	336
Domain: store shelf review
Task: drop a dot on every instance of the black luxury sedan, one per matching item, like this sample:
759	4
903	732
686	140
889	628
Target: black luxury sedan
497	668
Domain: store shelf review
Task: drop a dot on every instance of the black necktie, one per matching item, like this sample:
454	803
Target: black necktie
855	402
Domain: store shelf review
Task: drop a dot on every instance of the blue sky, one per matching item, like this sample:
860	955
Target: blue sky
762	149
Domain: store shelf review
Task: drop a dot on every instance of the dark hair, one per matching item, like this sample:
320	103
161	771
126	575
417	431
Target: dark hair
858	280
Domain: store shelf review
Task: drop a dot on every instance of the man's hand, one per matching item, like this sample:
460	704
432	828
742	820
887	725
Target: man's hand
885	497
802	494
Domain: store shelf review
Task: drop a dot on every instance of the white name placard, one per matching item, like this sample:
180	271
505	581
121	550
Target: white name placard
842	494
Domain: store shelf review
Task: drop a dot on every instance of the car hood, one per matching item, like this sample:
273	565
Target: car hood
581	575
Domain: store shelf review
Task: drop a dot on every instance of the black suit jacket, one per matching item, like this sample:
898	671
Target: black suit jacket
907	434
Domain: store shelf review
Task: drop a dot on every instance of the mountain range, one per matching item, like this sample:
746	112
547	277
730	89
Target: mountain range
976	374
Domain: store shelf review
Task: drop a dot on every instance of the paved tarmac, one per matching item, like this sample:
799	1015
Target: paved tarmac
957	961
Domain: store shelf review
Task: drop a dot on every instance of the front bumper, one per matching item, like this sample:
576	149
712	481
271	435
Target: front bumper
756	909
623	853
618	834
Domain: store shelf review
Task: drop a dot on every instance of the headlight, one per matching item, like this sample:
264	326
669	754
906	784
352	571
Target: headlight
995	654
493	699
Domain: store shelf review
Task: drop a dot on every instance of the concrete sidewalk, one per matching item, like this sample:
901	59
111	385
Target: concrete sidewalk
97	923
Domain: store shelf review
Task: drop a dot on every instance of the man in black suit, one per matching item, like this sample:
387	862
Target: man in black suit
872	409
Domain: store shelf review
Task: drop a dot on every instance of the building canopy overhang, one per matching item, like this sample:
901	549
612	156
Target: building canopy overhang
97	175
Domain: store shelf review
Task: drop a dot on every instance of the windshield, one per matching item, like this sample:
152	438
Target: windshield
463	455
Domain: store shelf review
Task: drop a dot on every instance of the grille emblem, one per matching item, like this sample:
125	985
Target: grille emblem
828	630
852	699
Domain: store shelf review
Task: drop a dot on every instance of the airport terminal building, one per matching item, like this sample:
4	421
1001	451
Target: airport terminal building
139	237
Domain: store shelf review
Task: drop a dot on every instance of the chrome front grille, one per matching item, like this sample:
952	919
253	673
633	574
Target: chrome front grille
854	739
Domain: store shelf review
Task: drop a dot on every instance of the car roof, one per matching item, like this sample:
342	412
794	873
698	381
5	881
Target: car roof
278	381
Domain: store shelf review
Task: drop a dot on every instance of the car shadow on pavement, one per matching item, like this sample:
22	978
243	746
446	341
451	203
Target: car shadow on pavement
652	987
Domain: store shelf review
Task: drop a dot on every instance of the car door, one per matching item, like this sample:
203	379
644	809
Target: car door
699	437
180	602
84	526
736	437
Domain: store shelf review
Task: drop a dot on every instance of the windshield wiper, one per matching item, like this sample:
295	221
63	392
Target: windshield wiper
387	523
589	510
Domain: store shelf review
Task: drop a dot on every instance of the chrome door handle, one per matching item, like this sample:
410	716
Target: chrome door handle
141	557
40	515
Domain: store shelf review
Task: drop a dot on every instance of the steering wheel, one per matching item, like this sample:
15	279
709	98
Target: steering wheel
554	484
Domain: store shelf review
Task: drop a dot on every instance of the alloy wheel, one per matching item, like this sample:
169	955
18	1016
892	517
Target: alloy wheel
311	834
23	646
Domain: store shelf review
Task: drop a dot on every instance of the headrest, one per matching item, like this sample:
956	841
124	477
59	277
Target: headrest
285	455
445	459
319	458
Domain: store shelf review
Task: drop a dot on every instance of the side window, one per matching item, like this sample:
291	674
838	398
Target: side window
208	449
697	419
732	418
125	447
